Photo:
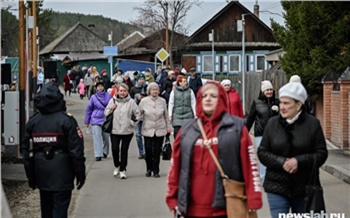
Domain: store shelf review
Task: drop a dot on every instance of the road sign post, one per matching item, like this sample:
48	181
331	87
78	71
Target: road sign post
162	55
110	51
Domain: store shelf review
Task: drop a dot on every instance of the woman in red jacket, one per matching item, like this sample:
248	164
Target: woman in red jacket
194	186
234	101
68	82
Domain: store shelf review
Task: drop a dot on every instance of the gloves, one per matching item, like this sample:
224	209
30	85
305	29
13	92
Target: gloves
167	137
80	182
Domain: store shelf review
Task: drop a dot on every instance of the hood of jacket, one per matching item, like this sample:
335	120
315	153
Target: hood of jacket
221	108
50	99
118	99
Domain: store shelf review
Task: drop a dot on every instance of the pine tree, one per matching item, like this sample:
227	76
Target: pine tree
316	38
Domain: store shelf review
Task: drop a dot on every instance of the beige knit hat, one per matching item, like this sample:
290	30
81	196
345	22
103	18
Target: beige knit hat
266	85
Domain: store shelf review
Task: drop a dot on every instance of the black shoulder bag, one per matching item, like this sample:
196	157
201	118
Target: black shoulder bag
314	193
107	125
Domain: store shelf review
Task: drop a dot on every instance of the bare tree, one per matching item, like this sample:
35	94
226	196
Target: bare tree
153	16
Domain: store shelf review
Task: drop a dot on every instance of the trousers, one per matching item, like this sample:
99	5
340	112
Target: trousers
55	204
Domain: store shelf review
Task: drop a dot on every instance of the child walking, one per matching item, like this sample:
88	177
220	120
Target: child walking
81	88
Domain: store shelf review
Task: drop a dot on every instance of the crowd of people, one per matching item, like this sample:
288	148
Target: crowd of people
289	140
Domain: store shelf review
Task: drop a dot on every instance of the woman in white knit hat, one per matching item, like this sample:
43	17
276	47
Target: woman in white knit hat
292	144
309	106
234	101
262	109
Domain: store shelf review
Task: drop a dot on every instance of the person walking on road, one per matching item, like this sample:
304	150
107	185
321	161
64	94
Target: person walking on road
154	127
56	157
194	186
261	110
234	101
182	104
292	143
138	92
95	117
194	81
125	116
68	83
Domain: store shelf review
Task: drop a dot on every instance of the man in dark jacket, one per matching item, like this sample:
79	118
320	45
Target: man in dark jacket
167	86
106	80
56	155
195	82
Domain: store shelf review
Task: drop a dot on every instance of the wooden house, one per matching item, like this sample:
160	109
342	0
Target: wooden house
259	40
146	48
79	45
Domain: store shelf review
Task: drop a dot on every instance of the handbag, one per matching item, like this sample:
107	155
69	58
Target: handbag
166	150
314	200
107	125
236	201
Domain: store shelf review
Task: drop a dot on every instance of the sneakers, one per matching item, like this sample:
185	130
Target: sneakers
122	174
116	172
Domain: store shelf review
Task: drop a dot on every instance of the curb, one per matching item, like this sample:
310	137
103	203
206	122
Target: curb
338	172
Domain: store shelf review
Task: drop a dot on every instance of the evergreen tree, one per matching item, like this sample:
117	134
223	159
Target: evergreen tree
315	38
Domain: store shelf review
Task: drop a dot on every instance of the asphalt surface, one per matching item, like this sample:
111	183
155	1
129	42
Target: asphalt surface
104	195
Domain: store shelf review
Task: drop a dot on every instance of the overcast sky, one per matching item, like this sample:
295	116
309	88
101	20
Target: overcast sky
122	10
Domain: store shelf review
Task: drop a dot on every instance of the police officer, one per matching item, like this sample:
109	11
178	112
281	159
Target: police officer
56	156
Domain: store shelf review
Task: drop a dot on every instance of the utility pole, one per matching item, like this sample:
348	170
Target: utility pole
111	58
21	70
21	55
243	63
34	35
211	38
166	32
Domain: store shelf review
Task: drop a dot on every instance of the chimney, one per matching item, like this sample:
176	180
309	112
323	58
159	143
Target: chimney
256	9
91	27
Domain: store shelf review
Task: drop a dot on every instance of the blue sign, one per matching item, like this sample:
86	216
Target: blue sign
110	50
110	59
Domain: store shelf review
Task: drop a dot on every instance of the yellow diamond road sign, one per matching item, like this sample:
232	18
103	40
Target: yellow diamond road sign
162	54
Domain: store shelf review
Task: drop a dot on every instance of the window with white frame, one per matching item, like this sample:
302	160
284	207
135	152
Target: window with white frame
260	63
234	63
207	63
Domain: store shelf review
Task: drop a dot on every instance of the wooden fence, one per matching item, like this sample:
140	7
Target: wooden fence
253	82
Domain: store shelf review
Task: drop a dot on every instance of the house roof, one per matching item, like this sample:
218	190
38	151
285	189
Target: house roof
154	42
230	4
51	47
130	40
232	43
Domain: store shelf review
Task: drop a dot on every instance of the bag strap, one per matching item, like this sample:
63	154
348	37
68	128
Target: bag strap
208	145
100	101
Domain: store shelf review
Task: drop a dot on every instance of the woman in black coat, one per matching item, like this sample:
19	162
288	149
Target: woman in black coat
291	142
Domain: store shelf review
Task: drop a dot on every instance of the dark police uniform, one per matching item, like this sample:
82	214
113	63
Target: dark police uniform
57	157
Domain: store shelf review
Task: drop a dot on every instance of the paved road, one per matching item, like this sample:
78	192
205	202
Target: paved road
106	196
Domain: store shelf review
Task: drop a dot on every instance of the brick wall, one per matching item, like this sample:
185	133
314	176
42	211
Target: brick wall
336	110
335	121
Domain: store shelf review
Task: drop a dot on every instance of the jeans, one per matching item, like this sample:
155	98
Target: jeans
101	141
115	139
153	146
280	204
261	166
54	204
139	138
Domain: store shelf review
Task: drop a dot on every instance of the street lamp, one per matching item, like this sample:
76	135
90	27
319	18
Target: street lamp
243	61
243	54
